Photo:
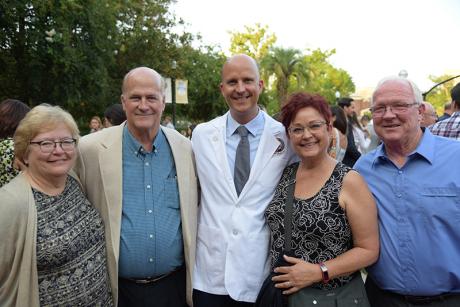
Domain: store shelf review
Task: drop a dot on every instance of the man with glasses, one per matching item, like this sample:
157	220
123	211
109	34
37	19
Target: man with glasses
413	176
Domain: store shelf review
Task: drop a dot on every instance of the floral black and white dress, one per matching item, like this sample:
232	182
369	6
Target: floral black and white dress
320	229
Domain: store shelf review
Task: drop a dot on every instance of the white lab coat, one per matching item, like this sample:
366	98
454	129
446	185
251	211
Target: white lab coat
233	238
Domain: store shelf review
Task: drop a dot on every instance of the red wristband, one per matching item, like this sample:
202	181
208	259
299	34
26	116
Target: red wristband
324	271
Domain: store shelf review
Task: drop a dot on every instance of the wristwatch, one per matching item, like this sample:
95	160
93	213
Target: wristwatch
324	271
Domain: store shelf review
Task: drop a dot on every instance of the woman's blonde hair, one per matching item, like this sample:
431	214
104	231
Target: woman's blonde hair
40	119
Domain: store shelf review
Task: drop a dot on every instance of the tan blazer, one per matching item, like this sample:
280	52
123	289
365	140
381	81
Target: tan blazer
99	167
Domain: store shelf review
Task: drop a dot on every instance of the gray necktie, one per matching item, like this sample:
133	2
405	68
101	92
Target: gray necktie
242	162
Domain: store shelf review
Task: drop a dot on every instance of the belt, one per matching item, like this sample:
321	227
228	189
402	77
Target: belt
150	280
414	299
422	300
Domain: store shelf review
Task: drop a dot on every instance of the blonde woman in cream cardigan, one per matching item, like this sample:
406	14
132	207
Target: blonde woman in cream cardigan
52	240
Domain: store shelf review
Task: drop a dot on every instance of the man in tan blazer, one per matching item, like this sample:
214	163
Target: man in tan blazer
142	179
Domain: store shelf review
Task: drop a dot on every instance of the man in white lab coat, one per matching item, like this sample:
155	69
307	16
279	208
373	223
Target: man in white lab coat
233	238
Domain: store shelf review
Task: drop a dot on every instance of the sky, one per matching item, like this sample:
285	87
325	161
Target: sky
373	38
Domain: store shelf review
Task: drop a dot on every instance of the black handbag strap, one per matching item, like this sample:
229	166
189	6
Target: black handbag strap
288	211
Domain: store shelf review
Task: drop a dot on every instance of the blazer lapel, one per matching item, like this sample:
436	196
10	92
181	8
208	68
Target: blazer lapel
111	168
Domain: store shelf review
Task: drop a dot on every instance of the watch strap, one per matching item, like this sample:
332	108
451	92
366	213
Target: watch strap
324	271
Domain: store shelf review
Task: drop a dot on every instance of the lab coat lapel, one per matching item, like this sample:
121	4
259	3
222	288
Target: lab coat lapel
217	139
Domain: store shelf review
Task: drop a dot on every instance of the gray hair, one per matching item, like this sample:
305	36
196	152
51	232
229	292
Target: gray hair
418	98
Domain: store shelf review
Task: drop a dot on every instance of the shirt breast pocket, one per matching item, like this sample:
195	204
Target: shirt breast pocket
171	193
440	203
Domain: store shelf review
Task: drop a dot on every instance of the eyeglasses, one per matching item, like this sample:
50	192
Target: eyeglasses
312	128
48	146
399	108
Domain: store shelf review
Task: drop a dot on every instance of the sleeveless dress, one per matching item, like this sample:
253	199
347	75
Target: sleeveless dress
320	229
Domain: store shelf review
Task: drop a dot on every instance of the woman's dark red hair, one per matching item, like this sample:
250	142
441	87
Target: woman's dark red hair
300	100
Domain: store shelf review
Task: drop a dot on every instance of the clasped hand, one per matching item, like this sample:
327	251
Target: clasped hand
299	275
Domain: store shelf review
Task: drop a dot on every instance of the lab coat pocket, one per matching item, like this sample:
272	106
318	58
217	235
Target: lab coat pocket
210	259
256	259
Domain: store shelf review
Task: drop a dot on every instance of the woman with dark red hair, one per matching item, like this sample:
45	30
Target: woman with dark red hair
334	217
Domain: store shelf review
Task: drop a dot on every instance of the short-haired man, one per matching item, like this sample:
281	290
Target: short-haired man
352	153
141	177
447	111
240	157
429	115
450	127
414	178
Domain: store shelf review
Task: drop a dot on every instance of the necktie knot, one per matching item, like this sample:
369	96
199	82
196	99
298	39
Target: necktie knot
242	131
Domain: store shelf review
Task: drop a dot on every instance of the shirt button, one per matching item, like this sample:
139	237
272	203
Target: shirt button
400	172
150	211
235	232
146	164
148	186
214	139
315	302
155	151
150	259
238	205
399	195
151	236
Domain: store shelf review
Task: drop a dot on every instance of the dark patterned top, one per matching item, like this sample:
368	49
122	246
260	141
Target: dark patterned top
7	172
320	230
71	252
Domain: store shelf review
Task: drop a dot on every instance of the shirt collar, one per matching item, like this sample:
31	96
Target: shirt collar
425	148
136	147
255	126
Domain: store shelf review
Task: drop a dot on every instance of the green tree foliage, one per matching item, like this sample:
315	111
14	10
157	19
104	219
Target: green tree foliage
57	52
291	70
324	78
146	37
286	68
202	68
75	52
255	41
440	95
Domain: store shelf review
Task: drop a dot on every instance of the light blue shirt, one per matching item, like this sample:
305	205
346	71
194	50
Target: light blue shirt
419	217
151	234
255	128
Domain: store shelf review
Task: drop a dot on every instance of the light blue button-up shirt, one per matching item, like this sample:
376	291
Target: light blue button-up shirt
419	217
255	128
151	235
